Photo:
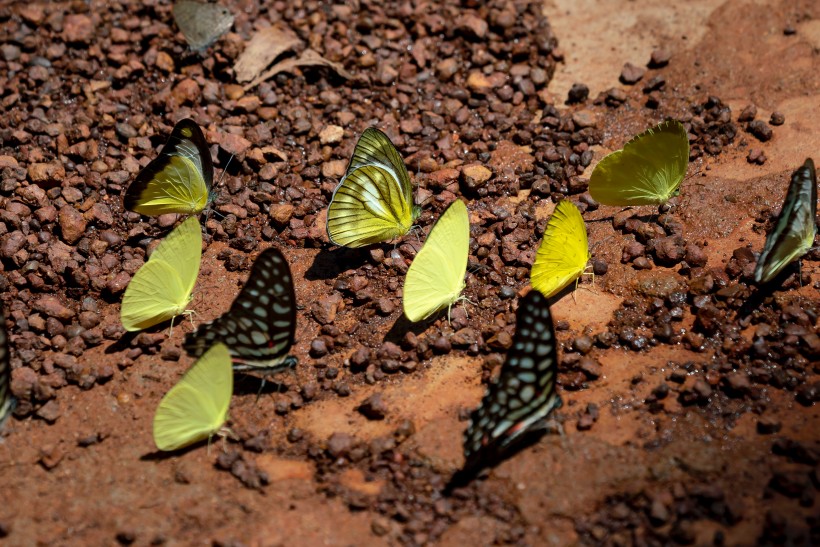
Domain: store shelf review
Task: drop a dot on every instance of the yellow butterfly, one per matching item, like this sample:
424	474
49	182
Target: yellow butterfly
162	287
436	276
793	235
564	250
179	180
374	200
197	406
647	171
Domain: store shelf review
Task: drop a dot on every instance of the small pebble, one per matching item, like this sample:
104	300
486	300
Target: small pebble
631	74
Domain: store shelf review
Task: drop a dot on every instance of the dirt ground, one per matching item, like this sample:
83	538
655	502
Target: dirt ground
703	433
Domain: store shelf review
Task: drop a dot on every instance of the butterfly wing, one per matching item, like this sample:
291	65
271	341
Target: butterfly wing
155	294
7	401
179	180
647	171
564	250
161	288
260	326
436	276
202	23
374	200
197	406
793	235
524	394
182	249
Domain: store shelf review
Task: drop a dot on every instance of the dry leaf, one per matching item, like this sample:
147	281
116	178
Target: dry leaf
265	46
308	57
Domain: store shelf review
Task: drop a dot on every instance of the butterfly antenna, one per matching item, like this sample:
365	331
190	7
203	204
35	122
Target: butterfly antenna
224	170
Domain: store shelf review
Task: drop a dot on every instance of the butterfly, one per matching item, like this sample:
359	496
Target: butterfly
197	406
374	200
793	235
7	402
260	326
179	180
201	23
647	171
524	394
435	279
162	287
564	251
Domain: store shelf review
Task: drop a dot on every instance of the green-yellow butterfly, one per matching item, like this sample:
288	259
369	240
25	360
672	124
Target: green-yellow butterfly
374	200
647	171
794	233
197	406
179	180
162	287
436	276
564	250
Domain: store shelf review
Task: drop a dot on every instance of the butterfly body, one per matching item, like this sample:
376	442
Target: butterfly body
648	170
564	251
260	325
161	289
523	396
794	233
179	179
196	408
374	200
435	279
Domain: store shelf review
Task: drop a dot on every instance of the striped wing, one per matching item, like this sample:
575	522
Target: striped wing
524	394
564	250
179	180
374	200
793	235
7	402
260	326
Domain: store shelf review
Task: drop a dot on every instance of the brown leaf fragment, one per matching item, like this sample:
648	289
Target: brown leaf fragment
262	49
308	57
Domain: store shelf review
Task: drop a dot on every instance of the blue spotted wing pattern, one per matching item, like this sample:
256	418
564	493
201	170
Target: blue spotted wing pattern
260	326
524	394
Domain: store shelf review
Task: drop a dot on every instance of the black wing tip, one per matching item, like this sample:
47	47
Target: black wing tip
808	165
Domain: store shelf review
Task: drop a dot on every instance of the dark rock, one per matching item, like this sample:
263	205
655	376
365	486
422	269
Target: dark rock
766	425
318	348
747	114
660	58
578	93
631	74
760	130
590	367
339	444
373	408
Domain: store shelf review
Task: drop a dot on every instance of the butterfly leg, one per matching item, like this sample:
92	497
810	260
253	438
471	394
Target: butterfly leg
592	274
